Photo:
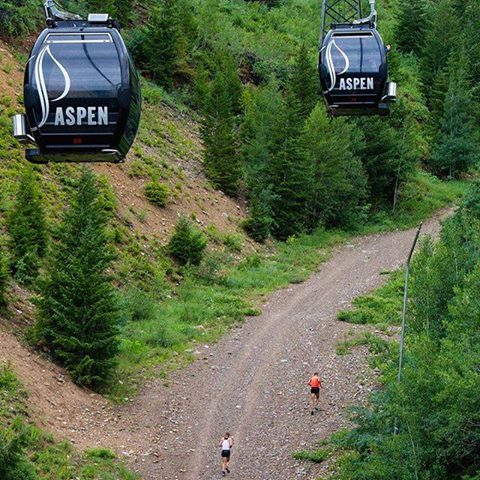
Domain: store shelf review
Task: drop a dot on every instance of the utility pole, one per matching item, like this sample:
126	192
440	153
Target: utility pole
404	313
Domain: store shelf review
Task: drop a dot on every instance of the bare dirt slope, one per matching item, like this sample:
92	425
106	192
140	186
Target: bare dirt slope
252	383
175	157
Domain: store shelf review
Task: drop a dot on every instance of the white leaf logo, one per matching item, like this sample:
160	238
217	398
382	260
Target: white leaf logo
331	65
42	87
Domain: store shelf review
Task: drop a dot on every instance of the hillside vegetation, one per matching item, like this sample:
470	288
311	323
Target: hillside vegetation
238	182
426	427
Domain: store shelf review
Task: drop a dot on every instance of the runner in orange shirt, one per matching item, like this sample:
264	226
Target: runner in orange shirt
315	385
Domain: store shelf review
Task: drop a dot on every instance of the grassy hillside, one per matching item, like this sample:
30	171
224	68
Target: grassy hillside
165	308
30	453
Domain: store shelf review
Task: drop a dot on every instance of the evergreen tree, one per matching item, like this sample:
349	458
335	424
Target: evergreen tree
27	229
257	130
227	65
472	37
288	173
162	36
187	243
258	145
260	222
78	317
441	37
456	145
380	153
220	134
123	11
339	182
102	6
303	82
412	26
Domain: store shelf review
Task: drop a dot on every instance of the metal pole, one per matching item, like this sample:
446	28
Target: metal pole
404	312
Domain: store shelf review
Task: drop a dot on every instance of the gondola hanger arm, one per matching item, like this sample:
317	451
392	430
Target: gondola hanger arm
371	19
52	12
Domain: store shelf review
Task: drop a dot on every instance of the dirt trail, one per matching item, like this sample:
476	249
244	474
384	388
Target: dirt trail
252	383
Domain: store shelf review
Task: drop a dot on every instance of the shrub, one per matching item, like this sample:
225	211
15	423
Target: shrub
135	304
14	464
187	244
233	242
157	193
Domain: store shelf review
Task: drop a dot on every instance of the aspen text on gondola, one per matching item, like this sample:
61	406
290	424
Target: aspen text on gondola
364	83
81	116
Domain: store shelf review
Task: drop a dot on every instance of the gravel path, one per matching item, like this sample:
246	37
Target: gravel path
252	383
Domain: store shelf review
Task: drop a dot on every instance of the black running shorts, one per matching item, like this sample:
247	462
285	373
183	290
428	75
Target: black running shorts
226	453
315	391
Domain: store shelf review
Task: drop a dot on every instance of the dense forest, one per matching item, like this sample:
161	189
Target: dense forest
246	70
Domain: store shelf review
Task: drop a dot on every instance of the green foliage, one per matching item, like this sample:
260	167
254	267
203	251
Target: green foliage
134	305
162	35
14	463
339	182
78	315
19	17
383	306
436	407
441	37
303	82
157	193
412	25
27	229
260	222
3	277
28	453
187	244
287	173
317	456
456	147
219	129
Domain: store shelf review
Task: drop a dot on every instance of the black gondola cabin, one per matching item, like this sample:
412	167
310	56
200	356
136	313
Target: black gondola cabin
353	71
82	93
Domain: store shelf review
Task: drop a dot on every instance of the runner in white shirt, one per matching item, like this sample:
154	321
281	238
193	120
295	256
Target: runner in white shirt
226	444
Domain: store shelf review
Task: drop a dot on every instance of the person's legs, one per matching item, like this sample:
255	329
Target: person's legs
312	402
227	463
317	400
224	465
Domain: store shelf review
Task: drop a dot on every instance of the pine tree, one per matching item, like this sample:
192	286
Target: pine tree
303	82
220	134
260	222
257	147
472	36
102	6
380	153
162	36
227	65
187	243
27	229
456	145
288	173
441	37
78	317
123	11
412	26
339	182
